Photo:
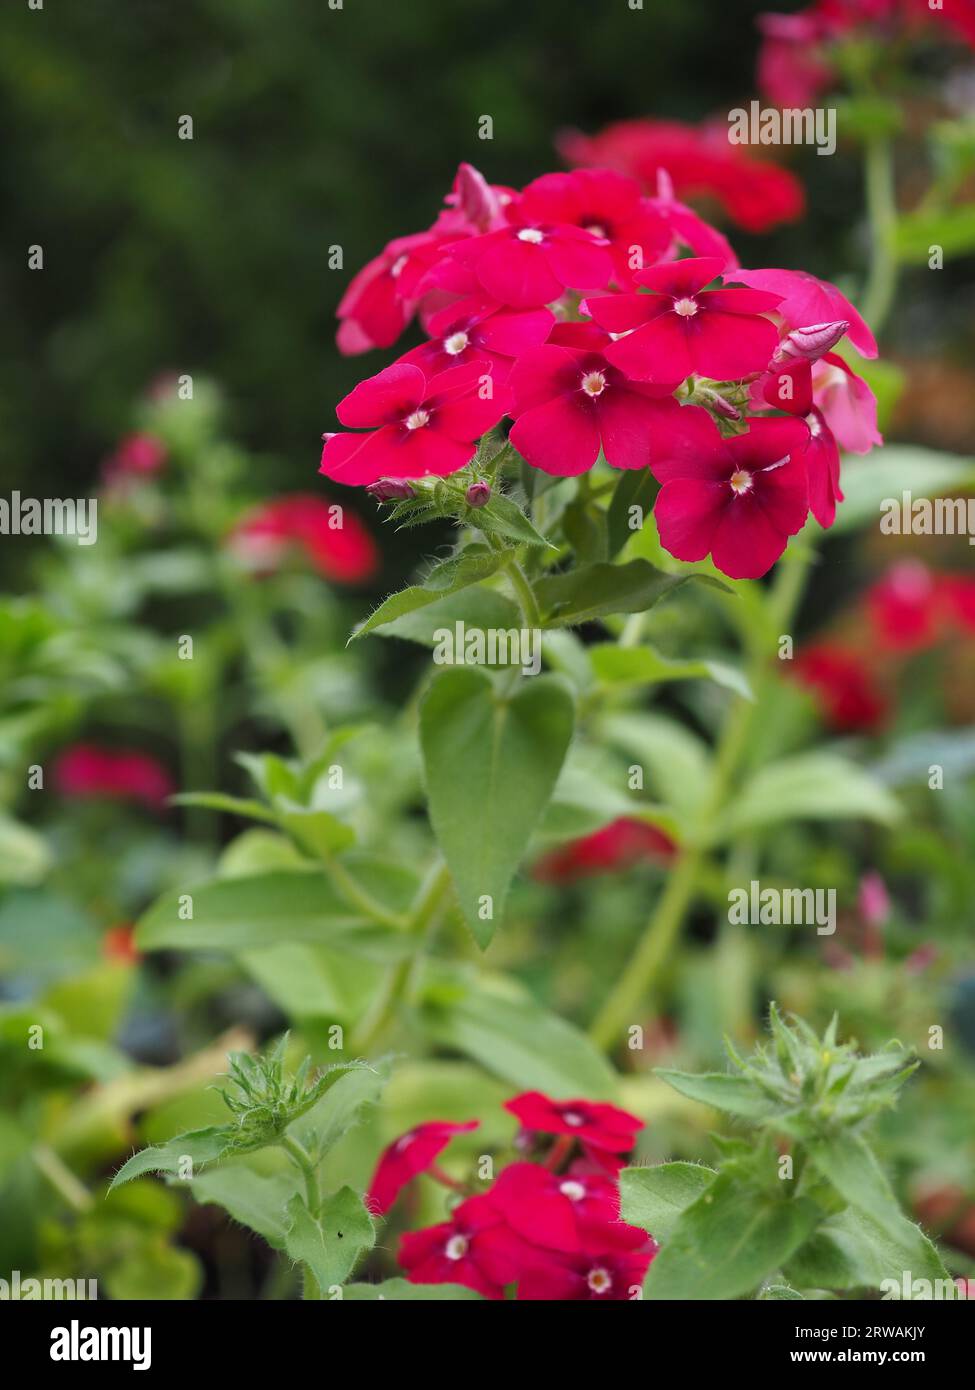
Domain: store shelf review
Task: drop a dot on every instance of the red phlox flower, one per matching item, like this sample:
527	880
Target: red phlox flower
614	1273
805	299
699	161
736	499
959	596
682	328
475	1248
477	329
332	538
412	1153
419	427
607	204
528	263
846	693
616	847
558	1211
793	68
847	403
597	1125
791	390
569	401
136	456
382	297
87	770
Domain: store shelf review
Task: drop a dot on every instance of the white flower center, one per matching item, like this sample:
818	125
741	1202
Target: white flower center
573	1119
741	481
815	428
396	268
455	344
595	229
687	308
456	1247
573	1190
531	234
417	420
594	383
599	1280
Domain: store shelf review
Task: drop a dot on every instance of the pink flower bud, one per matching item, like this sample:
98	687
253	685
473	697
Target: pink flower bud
478	494
873	900
808	344
391	490
720	406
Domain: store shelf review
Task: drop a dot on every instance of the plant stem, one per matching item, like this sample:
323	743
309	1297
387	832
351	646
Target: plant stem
525	592
643	969
357	896
306	1164
882	212
424	911
60	1176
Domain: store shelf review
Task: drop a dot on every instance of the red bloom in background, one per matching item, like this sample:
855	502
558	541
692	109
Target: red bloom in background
597	1125
118	944
616	847
136	456
792	67
613	1274
736	499
331	537
959	594
567	1212
699	161
569	401
86	770
846	693
477	329
805	300
412	1153
607	204
419	427
905	607
681	327
474	1248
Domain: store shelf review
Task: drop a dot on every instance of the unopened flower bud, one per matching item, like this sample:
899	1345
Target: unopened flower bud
808	344
723	407
391	490
478	494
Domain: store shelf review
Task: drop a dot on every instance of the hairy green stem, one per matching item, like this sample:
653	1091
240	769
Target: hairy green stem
878	294
306	1165
642	972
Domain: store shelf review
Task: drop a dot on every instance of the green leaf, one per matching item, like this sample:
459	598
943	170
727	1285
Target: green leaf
637	487
476	607
459	572
317	832
891	471
257	1200
200	1146
153	1270
513	1037
849	1165
401	1290
617	665
852	1251
24	856
677	761
811	786
776	1293
721	1090
232	805
503	517
953	229
654	1198
491	764
331	1241
596	591
340	1108
727	1242
237	914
